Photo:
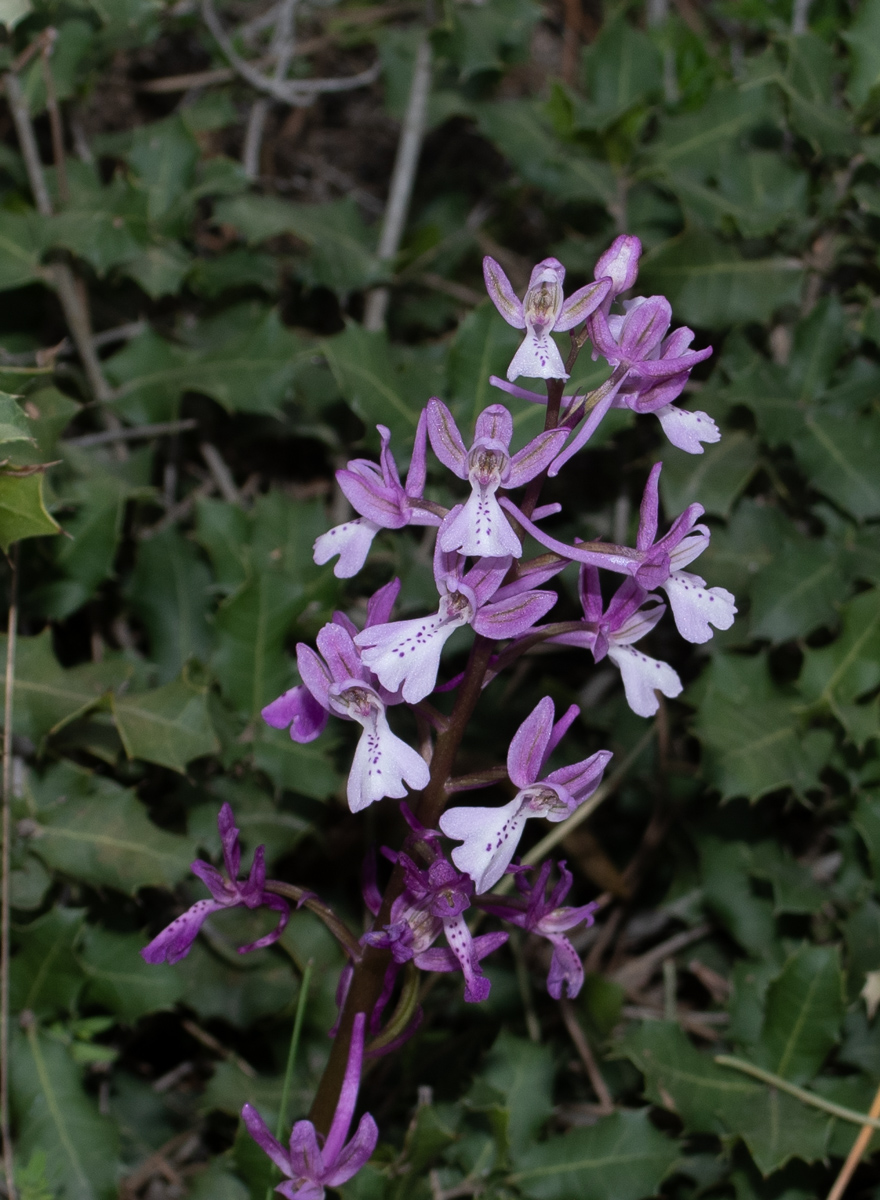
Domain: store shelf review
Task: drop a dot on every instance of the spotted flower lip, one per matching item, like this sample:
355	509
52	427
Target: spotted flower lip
307	1166
405	655
375	491
490	836
543	310
538	913
175	942
480	527
338	681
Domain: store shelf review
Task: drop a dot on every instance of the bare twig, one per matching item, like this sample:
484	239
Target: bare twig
635	974
854	1157
208	1039
283	48
800	17
220	473
12	630
577	1035
135	433
27	141
403	176
294	92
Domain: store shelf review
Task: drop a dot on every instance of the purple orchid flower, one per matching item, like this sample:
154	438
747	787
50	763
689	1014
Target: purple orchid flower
435	900
383	502
340	683
536	912
631	613
480	527
490	835
406	654
175	942
309	1167
542	311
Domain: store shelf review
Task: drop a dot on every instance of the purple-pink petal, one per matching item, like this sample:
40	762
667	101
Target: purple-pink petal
259	1131
578	306
446	441
174	942
502	294
513	616
528	748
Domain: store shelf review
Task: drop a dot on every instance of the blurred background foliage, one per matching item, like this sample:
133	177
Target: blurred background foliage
740	853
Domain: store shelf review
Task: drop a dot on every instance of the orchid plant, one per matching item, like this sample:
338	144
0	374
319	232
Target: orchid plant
485	581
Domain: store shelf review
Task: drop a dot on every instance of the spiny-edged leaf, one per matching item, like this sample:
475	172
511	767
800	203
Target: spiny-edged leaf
819	341
170	725
293	767
749	542
100	833
383	384
863	37
622	1157
223	531
87	555
839	453
217	1183
698	140
46	695
238	989
244	358
54	1114
709	283
341	246
163	156
28	883
50	412
803	1014
716	477
838	674
150	374
169	592
159	269
14	425
260	820
867	821
21	240
757	190
808	85
726	870
252	627
22	509
797	591
714	1099
754	740
44	976
483	345
120	980
623	67
794	888
523	1072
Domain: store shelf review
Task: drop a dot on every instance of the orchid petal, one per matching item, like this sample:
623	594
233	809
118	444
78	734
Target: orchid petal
620	263
314	674
528	749
376	502
351	541
356	1153
418	465
480	528
383	763
490	837
566	969
535	457
339	653
537	358
502	294
696	608
495	424
643	677
512	617
259	1131
381	604
446	441
687	430
175	941
581	303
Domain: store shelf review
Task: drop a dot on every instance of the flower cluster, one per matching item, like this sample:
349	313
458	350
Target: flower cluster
489	588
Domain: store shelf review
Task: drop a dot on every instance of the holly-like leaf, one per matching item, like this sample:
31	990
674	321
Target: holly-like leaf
22	509
716	477
805	1007
170	725
843	671
622	1157
839	454
120	980
14	425
523	1073
45	976
797	591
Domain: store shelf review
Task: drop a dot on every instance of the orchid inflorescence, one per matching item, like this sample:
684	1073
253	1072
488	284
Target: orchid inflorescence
485	581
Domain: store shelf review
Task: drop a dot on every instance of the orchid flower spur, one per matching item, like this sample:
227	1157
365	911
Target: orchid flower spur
480	528
490	836
383	502
536	912
340	683
542	311
433	900
309	1167
631	613
175	942
406	654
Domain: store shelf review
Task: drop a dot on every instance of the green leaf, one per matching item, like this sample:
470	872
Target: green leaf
863	37
341	247
797	592
842	672
260	820
238	268
170	725
308	769
726	870
750	542
713	1099
716	477
14	425
21	240
222	529
88	553
240	990
54	1115
120	980
867	820
840	454
163	156
808	83
45	977
804	1010
22	510
622	1157
709	283
623	68
169	592
150	374
101	834
819	341
217	1183
47	696
105	225
160	270
252	627
383	384
50	413
523	1072
753	739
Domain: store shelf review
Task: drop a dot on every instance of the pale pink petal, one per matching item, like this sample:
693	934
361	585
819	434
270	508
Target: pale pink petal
512	617
490	837
383	764
620	263
642	678
351	541
480	528
537	358
373	500
494	423
407	653
687	430
299	711
697	608
528	749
